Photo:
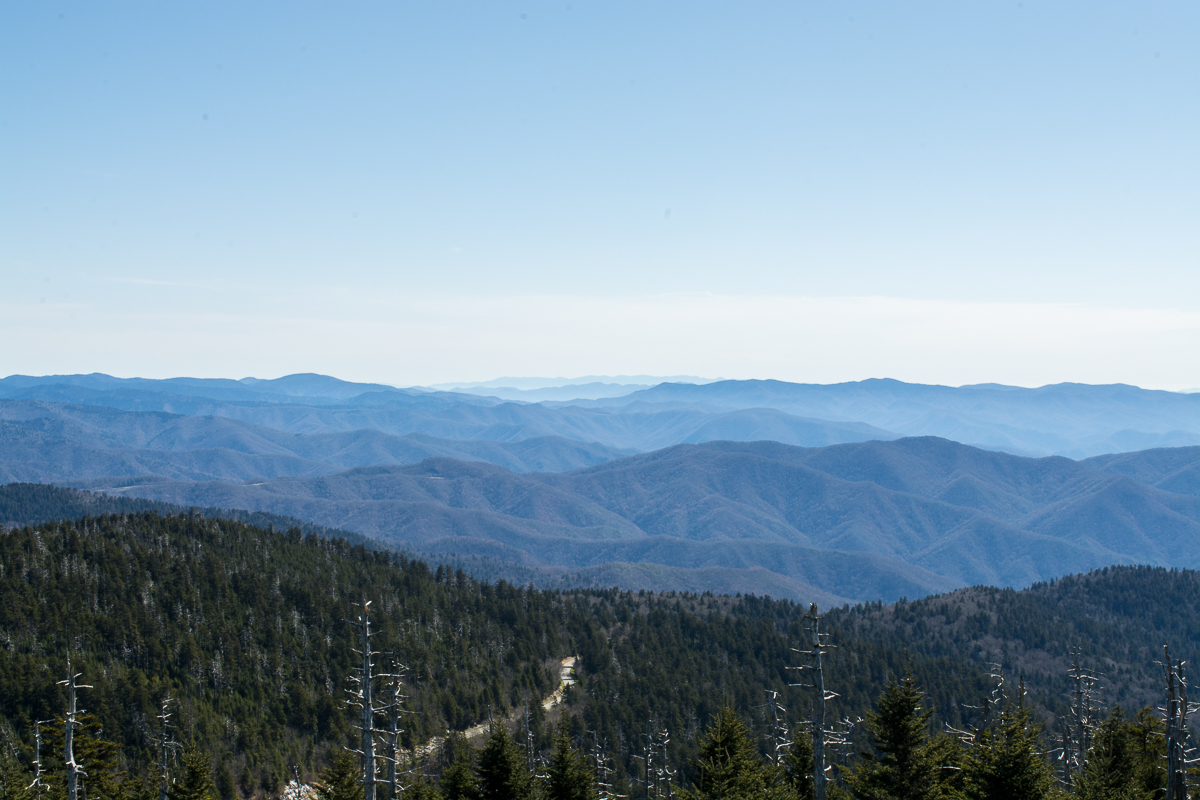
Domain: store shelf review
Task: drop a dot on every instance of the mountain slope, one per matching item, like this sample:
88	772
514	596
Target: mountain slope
880	519
1175	469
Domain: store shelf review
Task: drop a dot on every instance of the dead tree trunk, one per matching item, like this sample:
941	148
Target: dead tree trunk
1084	714
165	746
363	698
1176	729
781	740
663	774
600	768
38	787
70	723
817	647
395	708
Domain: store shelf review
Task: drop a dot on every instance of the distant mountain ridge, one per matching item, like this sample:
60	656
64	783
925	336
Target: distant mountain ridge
48	442
42	441
1074	420
853	521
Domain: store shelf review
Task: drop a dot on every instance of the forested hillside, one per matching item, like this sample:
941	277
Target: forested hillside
247	630
34	503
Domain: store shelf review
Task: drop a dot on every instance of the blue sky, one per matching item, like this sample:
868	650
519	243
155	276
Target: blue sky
429	192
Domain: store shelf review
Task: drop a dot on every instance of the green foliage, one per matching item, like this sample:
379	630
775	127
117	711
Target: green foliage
14	778
798	766
1123	763
1119	616
672	658
729	766
246	629
99	758
501	769
905	765
569	776
458	780
196	782
1007	763
422	790
341	780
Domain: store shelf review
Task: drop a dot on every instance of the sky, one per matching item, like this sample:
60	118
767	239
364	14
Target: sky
420	193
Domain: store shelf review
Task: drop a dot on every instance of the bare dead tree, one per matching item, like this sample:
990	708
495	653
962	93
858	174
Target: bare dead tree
839	738
395	709
362	697
1085	709
602	771
530	745
1063	751
71	722
658	777
647	758
165	747
1177	733
39	786
781	736
663	774
817	646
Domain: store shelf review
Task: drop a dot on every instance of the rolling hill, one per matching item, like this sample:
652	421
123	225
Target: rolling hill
854	521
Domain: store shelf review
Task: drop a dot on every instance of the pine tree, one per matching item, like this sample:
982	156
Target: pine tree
422	790
798	766
196	783
728	767
904	765
569	776
341	779
458	780
1113	764
14	779
1006	764
1145	735
501	771
101	761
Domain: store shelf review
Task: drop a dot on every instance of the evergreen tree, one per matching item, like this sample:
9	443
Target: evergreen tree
1112	769
728	768
14	779
341	779
570	777
904	765
101	761
458	780
422	790
501	771
1007	764
798	767
1145	735
196	783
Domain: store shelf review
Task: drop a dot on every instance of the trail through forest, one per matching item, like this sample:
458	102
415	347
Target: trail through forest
566	678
